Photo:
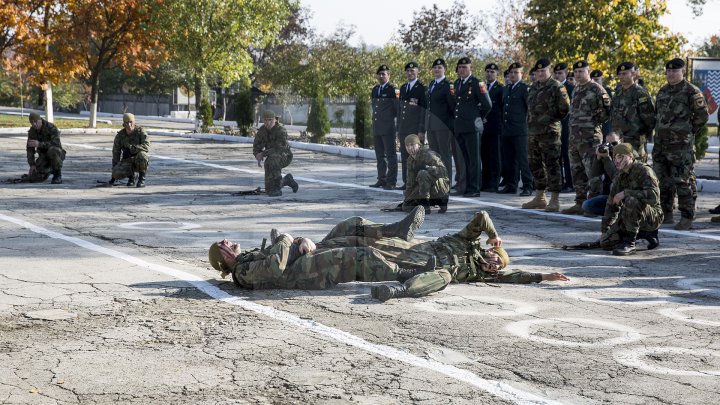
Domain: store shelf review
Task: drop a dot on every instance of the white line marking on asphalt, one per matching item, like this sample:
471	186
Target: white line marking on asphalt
497	388
476	305
695	285
522	329
159	226
629	296
679	314
633	358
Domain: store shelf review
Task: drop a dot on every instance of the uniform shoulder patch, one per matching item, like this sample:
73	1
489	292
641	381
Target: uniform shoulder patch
698	100
606	99
643	100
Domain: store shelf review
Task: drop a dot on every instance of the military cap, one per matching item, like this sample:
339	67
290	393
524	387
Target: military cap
625	66
676	63
268	114
596	73
533	69
128	117
439	62
411	65
215	257
491	66
542	63
504	257
515	65
464	61
560	66
412	139
382	68
581	64
506	72
34	117
624	149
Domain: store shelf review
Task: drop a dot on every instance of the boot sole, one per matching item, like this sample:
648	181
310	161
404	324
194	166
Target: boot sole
623	253
417	220
383	293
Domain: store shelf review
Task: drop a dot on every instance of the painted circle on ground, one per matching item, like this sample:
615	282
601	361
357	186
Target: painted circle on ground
159	226
679	314
634	358
476	305
695	285
640	297
522	329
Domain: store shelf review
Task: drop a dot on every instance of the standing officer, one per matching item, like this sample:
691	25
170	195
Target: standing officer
384	106
472	105
548	104
44	140
490	144
632	113
590	107
561	74
440	115
515	134
681	113
411	114
597	77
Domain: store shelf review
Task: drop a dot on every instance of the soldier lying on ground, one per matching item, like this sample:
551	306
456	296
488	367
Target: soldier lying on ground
44	140
357	249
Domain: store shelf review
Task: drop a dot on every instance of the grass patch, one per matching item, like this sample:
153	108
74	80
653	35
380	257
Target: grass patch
14	121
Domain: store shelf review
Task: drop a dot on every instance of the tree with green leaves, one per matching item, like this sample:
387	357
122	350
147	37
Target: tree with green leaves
318	123
244	113
205	115
449	31
362	123
711	47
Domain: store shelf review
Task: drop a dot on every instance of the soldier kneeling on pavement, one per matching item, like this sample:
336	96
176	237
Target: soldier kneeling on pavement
44	140
130	153
271	145
633	207
427	178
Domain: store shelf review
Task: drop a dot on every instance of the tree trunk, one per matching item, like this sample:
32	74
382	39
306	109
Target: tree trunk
49	103
224	103
94	95
198	100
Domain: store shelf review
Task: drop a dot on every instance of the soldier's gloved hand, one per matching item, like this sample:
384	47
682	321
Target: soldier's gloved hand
495	242
126	153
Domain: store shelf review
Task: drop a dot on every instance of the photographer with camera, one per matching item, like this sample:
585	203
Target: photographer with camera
602	172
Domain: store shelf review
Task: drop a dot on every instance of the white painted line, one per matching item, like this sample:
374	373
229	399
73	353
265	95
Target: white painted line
476	305
629	296
679	314
159	226
634	358
695	285
497	388
522	329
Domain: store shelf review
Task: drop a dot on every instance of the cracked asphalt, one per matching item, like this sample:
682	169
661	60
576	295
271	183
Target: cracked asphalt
90	311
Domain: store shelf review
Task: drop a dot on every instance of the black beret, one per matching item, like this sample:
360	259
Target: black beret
596	73
382	68
491	66
624	66
411	65
533	69
542	63
581	64
439	62
560	66
676	63
515	65
507	72
464	61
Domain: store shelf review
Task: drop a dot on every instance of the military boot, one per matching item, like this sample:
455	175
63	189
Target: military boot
111	182
404	275
685	224
715	219
443	205
554	204
575	209
141	180
385	292
651	238
289	181
406	227
668	215
536	203
626	247
57	178
274	193
131	180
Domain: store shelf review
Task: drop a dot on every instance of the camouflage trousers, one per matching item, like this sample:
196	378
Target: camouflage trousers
633	217
47	163
274	163
673	165
426	186
127	167
544	158
582	157
640	146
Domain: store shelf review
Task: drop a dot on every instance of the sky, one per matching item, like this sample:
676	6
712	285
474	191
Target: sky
376	21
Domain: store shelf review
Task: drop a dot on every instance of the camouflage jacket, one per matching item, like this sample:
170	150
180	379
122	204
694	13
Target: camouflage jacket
47	136
681	113
431	162
135	142
632	112
590	107
272	141
548	103
639	182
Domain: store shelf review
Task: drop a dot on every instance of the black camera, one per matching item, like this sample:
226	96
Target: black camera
606	147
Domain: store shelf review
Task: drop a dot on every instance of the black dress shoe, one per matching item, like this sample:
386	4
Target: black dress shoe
526	193
489	189
389	187
378	184
403	187
468	195
507	190
567	189
715	210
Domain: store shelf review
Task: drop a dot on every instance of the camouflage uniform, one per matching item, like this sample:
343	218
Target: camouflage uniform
130	153
590	108
548	103
640	209
427	179
50	154
633	117
273	145
681	113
